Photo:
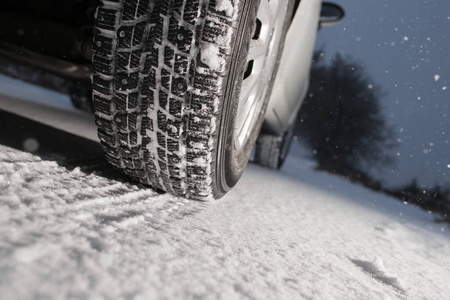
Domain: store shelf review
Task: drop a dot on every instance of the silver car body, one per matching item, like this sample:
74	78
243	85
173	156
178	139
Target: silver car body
291	83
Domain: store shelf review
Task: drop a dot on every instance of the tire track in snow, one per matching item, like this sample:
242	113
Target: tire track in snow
39	196
29	177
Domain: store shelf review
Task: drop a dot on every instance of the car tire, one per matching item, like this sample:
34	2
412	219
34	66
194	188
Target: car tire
167	82
271	150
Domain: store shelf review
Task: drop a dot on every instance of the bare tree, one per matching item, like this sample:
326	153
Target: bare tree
341	119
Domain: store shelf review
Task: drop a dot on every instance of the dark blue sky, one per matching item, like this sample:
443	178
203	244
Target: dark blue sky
405	48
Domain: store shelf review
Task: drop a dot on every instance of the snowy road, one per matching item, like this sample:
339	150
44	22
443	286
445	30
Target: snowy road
72	228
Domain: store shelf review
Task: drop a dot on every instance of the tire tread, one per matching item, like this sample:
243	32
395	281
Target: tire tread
154	98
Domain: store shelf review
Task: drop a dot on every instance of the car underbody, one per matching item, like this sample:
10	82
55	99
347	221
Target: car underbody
49	43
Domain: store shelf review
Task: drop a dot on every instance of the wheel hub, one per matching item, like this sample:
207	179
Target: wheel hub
261	61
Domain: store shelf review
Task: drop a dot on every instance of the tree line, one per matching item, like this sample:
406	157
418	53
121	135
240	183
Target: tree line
341	121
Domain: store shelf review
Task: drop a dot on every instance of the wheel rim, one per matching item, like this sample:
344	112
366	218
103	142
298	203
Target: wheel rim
261	61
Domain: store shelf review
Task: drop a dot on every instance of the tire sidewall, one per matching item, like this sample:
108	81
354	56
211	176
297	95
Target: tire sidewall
230	162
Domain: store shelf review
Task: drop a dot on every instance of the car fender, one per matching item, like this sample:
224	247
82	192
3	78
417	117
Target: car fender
292	80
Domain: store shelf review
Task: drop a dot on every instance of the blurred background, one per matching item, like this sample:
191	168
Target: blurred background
378	106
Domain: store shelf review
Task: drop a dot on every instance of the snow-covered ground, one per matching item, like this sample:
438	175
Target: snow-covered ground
298	233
